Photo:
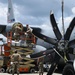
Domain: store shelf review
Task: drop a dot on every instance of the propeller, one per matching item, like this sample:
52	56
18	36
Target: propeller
42	53
61	45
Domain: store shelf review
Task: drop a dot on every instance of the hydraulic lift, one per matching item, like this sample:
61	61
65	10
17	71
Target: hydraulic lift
24	48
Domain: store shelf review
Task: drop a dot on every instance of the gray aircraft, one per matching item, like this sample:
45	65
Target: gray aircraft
61	46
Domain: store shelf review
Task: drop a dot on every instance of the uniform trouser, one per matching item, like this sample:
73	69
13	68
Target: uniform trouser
15	68
40	71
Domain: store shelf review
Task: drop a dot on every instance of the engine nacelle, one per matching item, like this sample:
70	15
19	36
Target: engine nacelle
17	30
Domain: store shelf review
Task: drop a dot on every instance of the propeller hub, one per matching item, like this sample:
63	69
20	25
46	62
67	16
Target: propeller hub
62	45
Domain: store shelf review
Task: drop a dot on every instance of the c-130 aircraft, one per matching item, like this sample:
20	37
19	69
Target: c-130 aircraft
62	46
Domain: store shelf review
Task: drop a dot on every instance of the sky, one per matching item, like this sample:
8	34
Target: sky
37	12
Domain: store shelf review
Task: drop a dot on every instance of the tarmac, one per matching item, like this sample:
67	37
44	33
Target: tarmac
45	73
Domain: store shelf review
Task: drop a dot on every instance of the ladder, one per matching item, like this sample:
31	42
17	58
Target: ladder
24	51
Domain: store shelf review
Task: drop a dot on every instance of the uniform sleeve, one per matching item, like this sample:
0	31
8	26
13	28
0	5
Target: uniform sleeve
20	57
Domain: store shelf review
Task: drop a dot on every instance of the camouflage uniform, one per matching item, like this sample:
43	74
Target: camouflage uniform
15	66
40	65
29	35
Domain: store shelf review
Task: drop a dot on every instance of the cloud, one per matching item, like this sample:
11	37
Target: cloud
3	13
73	10
36	12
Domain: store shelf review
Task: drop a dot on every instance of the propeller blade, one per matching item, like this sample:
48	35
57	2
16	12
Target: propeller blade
69	29
45	38
54	64
70	51
42	53
55	27
52	68
71	43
